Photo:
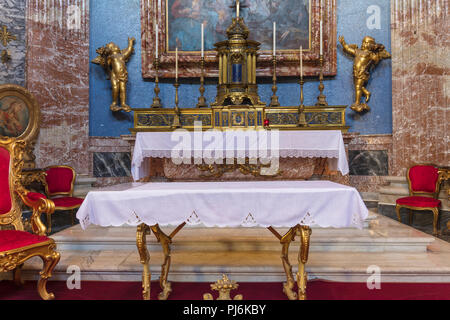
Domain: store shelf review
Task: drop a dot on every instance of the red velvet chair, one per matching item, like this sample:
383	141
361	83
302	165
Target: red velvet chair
59	188
17	245
424	184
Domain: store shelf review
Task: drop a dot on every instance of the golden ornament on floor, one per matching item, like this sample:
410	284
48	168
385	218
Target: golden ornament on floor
113	60
366	57
224	286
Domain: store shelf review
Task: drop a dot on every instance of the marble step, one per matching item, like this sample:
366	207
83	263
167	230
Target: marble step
124	265
376	238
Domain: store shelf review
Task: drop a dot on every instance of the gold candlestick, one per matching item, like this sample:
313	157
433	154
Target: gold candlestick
201	100
301	109
156	100
321	99
274	99
176	120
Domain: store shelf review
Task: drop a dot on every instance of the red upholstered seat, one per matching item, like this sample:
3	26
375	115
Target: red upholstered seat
422	180
67	202
417	201
14	239
59	188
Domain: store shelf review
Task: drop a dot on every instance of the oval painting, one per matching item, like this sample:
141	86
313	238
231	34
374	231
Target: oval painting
14	116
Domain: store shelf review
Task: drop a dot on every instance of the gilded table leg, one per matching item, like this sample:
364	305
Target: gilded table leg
165	241
305	233
141	243
286	242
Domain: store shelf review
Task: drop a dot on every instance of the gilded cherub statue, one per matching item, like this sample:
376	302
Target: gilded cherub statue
370	54
113	60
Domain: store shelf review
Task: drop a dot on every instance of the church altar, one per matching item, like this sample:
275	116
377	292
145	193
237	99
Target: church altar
217	147
294	204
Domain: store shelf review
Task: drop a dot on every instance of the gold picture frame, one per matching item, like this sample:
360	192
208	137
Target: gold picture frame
20	117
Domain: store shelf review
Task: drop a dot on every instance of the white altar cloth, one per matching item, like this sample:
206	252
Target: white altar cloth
299	144
225	204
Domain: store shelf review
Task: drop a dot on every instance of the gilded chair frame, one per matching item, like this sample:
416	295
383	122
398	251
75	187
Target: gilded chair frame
433	195
13	260
69	193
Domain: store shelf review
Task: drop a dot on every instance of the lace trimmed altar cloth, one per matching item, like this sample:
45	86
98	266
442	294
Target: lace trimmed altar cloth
226	204
240	144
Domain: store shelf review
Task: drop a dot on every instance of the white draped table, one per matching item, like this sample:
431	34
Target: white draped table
240	144
294	204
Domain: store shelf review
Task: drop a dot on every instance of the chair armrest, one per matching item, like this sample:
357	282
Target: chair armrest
40	204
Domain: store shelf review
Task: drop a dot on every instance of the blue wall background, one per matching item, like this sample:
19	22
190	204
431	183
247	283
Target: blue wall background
116	20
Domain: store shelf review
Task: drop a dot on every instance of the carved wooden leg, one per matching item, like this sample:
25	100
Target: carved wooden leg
17	275
141	243
397	209
411	216
435	221
50	261
165	241
302	278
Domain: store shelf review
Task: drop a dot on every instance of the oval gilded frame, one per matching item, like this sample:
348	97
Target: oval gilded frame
34	113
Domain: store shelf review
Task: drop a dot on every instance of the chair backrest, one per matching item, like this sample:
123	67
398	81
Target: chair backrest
424	180
11	164
59	180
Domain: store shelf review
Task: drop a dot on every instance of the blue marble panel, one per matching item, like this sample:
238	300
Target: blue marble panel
368	163
112	164
12	15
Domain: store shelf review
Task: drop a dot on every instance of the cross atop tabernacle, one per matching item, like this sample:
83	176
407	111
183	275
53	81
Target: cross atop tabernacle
238	5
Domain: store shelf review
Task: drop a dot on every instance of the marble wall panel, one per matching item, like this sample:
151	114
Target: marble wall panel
112	164
368	162
58	76
12	16
420	77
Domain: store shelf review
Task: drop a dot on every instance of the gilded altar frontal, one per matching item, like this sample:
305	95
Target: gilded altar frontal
237	150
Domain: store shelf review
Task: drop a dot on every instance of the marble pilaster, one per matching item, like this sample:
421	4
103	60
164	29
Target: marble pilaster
58	76
420	75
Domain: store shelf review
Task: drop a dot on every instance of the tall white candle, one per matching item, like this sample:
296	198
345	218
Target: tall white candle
156	34
321	38
203	42
274	38
301	61
176	63
237	9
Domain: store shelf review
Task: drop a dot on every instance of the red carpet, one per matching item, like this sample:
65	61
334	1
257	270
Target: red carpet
317	290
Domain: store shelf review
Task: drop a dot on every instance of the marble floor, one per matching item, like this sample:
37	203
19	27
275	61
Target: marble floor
402	254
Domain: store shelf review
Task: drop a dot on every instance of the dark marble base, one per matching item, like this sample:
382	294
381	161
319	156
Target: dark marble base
422	221
112	164
60	220
368	162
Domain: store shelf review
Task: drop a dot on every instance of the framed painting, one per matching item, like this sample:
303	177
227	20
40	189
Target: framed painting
19	113
179	22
